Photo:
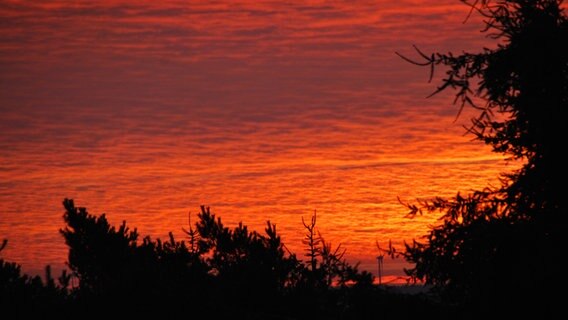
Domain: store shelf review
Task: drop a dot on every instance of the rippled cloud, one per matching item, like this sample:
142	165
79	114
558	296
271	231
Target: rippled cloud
270	110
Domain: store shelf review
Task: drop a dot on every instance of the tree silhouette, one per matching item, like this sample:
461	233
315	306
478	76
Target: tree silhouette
251	270
24	297
326	265
325	285
117	272
311	241
225	273
503	246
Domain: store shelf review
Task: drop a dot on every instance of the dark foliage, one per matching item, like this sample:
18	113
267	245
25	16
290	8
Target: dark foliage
502	248
325	286
495	251
223	272
116	271
250	270
24	297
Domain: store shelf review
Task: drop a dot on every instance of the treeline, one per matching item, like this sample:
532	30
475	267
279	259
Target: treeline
498	252
216	272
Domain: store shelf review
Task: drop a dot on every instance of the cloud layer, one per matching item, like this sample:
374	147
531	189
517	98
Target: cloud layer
268	110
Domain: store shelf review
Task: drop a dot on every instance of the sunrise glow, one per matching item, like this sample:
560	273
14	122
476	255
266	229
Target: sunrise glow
271	111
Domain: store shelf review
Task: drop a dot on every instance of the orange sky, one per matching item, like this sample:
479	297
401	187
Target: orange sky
271	110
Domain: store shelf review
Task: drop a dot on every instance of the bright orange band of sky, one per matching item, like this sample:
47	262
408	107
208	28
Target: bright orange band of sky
263	111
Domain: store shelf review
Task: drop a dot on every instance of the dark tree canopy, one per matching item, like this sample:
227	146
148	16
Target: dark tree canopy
221	271
506	242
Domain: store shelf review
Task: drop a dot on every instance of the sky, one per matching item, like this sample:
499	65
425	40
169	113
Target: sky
262	110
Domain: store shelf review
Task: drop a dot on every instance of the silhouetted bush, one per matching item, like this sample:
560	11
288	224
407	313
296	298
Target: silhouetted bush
24	297
116	270
220	273
224	272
